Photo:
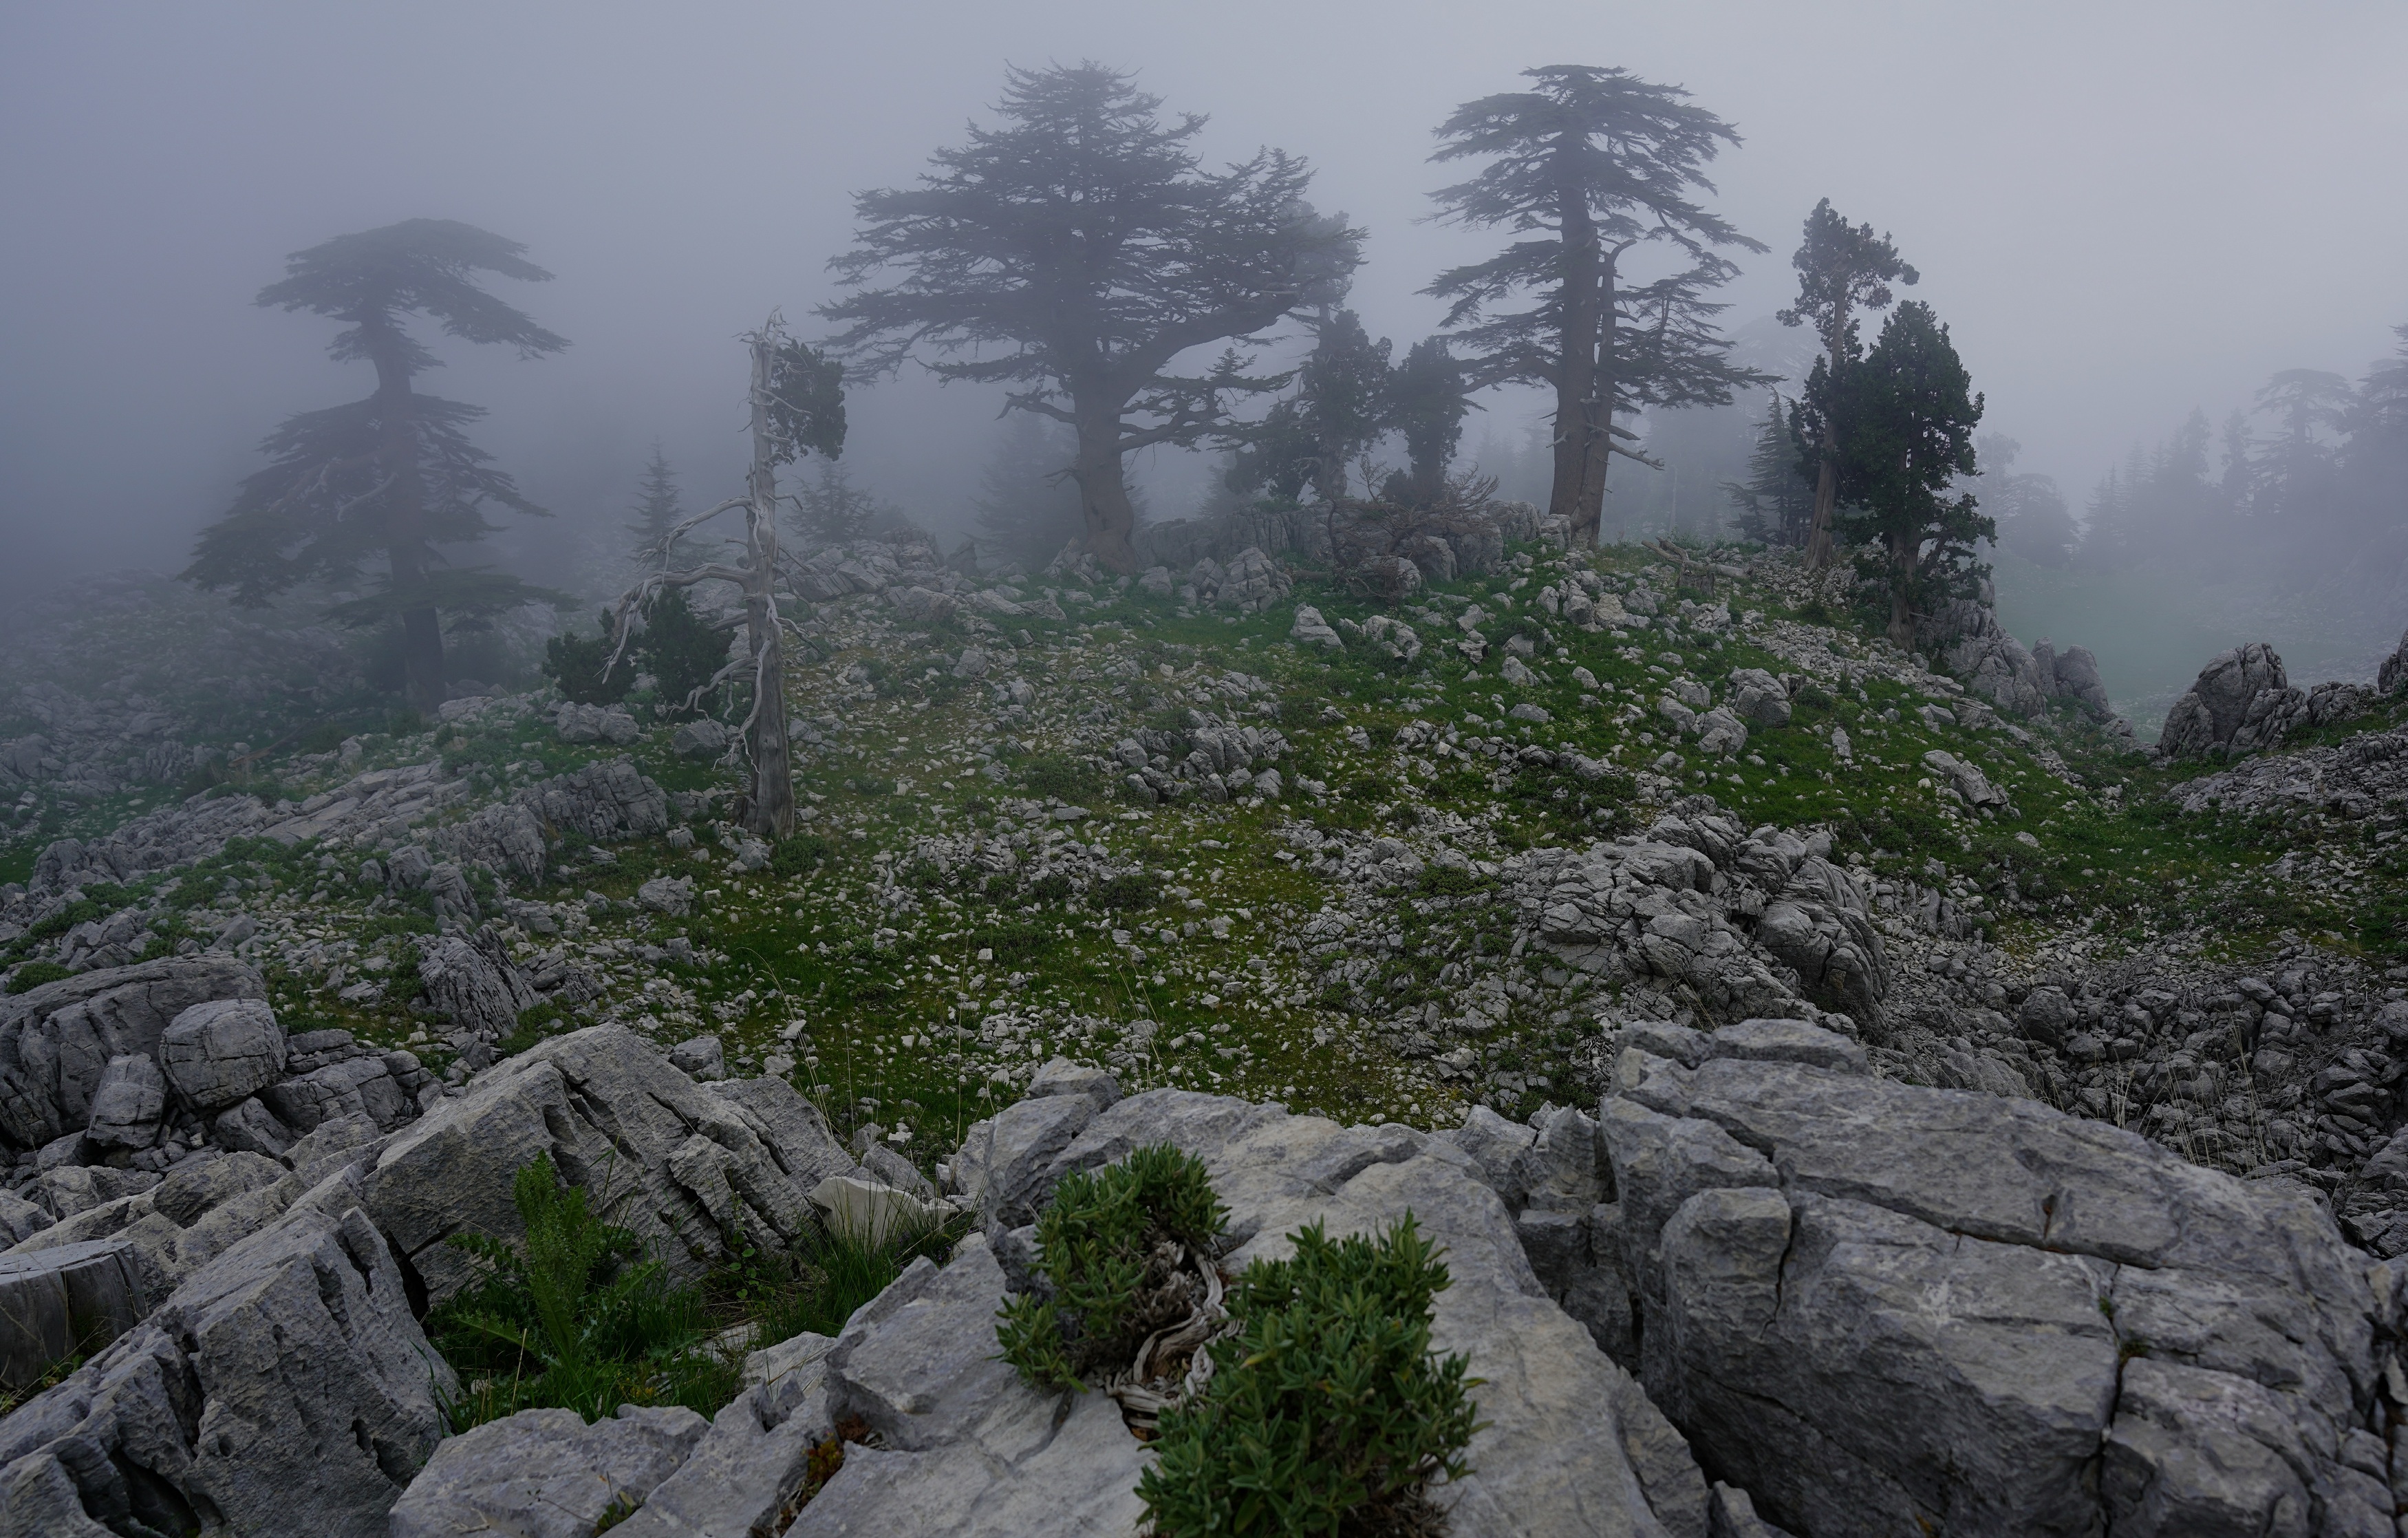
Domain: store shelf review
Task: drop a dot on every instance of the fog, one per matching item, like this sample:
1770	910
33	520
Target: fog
2123	213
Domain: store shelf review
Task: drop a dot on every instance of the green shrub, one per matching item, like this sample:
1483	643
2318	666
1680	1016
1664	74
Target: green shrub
1327	1413
1129	890
1110	1277
679	648
802	853
1070	779
577	664
33	974
818	1287
1053	886
582	1320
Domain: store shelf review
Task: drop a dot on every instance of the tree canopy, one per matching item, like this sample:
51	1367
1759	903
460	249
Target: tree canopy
1586	165
386	482
1074	254
1841	269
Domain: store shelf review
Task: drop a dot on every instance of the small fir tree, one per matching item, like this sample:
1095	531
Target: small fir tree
657	510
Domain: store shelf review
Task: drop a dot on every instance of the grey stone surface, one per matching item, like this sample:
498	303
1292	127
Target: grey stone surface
175	1225
20	1219
1003	1157
606	802
1063	1076
1876	1306
545	1474
128	1103
59	1301
678	1166
702	1059
283	1391
57	1039
477	985
219	1054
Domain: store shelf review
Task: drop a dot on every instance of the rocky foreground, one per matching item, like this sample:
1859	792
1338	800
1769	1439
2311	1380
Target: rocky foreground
1759	1291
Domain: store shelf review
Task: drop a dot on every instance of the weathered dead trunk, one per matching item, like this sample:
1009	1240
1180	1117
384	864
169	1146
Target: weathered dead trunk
772	803
1103	490
405	518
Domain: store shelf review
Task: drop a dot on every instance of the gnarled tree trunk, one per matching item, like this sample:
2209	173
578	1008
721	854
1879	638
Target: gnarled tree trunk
1103	489
772	807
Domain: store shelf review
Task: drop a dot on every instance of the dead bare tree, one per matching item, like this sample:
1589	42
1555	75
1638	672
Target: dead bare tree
797	406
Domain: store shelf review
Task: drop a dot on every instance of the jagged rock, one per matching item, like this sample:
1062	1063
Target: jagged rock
175	1224
701	1058
676	1164
2218	707
1252	581
219	1054
596	723
545	1473
251	1127
1721	732
1789	1226
59	1301
744	1475
1967	781
1310	629
67	1189
505	837
1393	638
973	1450
283	1391
56	1040
704	739
360	1087
1759	699
670	895
126	1108
20	1219
476	985
1155	580
2393	672
606	802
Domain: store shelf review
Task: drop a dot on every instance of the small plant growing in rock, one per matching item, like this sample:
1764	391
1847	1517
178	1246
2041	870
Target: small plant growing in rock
1329	1414
1126	1251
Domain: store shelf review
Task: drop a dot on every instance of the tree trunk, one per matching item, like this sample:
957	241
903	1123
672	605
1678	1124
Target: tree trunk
772	807
1902	553
1103	493
404	519
1819	541
1575	352
1600	410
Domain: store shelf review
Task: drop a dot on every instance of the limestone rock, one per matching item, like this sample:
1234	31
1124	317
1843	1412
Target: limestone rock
68	1299
545	1474
57	1039
126	1108
219	1054
1310	629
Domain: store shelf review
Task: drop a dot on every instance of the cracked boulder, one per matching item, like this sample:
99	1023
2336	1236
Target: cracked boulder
681	1166
56	1040
1884	1308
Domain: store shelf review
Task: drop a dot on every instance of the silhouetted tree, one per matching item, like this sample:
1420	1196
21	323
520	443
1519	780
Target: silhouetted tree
657	507
1076	253
390	480
1340	406
1840	271
1426	404
832	509
1590	164
1902	418
2029	511
1776	503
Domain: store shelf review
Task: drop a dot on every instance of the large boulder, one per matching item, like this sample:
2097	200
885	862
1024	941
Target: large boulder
57	1301
681	1167
545	1474
56	1040
1883	1308
127	1106
2242	700
606	802
220	1054
173	1227
477	987
283	1391
1569	1444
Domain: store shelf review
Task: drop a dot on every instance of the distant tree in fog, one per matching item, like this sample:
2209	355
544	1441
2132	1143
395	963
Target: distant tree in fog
388	480
1426	404
1027	504
657	509
1902	418
1841	269
1075	253
831	509
1338	408
2030	513
1776	502
1586	165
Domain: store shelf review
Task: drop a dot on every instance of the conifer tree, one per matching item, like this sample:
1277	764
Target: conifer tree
1840	271
1073	253
830	508
1027	503
1426	404
1582	168
1776	502
380	485
657	508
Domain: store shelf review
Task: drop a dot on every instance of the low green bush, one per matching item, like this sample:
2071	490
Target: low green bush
803	853
33	974
1328	1413
581	1320
1108	1245
580	665
1129	891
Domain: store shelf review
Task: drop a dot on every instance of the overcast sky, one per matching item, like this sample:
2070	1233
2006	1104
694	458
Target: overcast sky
2123	210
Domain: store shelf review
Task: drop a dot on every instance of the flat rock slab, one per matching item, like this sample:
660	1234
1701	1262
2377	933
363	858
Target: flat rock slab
545	1474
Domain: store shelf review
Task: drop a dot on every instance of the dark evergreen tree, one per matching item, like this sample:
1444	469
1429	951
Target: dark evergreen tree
2374	460
1776	502
2029	511
1338	408
657	510
2295	486
1902	418
1841	269
1027	503
1426	404
1587	165
1074	254
580	666
381	484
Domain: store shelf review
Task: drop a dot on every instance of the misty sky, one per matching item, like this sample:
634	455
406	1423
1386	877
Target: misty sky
2123	210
